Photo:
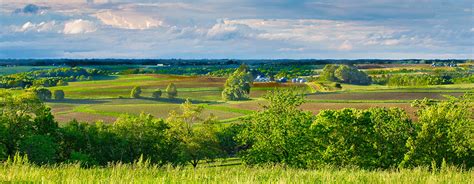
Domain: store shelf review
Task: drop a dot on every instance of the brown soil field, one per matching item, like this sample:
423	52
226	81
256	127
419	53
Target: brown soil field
380	96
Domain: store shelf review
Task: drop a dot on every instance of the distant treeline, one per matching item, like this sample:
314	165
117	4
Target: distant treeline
49	77
85	62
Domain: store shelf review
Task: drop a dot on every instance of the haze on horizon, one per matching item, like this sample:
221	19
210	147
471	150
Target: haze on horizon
239	29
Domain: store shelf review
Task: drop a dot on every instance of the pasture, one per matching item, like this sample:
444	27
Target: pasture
105	100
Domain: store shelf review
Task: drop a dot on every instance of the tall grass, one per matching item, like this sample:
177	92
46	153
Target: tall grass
142	173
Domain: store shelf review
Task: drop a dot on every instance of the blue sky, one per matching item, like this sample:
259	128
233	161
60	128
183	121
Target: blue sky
240	29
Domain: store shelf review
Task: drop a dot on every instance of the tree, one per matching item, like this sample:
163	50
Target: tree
23	116
237	86
171	91
372	138
41	149
196	136
62	83
42	93
279	133
445	133
345	74
136	92
142	136
156	94
58	94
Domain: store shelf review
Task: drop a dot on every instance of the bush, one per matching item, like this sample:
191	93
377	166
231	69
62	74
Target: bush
40	149
42	93
171	91
62	83
58	94
373	138
445	134
136	92
279	133
156	94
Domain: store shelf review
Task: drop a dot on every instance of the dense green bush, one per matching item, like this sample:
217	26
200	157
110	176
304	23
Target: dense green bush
445	133
58	94
42	93
373	138
156	94
41	149
279	133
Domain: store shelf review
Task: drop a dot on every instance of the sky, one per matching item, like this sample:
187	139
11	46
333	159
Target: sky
237	29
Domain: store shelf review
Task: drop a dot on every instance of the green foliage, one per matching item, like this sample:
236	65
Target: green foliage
142	136
58	94
445	133
279	133
136	92
42	93
49	77
237	86
41	149
373	138
156	94
345	74
196	136
171	90
24	118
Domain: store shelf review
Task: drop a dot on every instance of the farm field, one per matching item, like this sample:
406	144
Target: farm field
105	100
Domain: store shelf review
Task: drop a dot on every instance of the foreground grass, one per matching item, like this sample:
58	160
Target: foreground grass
231	174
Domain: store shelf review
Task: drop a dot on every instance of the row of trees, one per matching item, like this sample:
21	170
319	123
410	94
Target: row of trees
28	127
372	138
171	91
49	77
424	79
281	133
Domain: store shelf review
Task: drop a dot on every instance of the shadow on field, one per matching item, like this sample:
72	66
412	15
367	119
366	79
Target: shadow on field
181	100
78	101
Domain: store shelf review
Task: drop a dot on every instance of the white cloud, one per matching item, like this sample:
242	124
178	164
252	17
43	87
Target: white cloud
226	29
128	20
79	26
40	27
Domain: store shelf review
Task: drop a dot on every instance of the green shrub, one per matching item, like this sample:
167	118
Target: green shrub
58	94
41	149
156	94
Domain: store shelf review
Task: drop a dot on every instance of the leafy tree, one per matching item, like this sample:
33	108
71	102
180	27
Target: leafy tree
136	92
171	91
41	149
156	94
196	136
23	116
237	86
446	133
279	133
143	135
42	93
373	138
58	94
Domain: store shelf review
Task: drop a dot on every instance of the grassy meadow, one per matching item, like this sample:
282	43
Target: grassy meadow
123	173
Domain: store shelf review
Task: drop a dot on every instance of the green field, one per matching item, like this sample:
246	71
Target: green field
122	173
105	100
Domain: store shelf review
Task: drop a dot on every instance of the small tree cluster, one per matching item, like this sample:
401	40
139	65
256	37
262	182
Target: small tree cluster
171	90
345	74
